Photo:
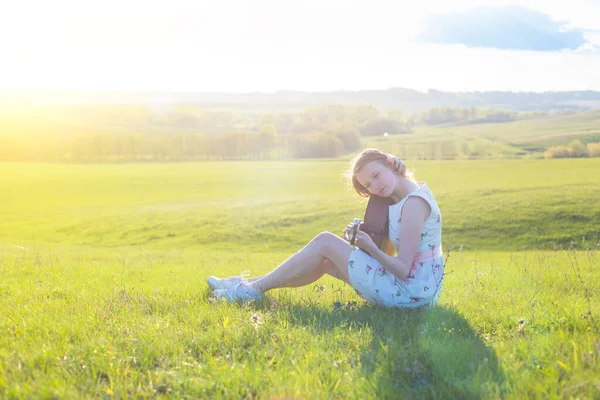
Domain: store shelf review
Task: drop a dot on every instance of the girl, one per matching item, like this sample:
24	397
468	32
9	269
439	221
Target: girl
412	278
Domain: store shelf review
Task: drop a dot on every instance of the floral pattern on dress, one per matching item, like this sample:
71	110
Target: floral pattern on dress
423	284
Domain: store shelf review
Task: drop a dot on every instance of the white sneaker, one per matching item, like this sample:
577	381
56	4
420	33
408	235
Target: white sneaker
243	291
226	283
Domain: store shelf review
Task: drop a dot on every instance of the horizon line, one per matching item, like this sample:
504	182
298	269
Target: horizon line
159	91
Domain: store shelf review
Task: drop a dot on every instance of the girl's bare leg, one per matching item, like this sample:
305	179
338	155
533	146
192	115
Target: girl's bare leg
325	268
309	264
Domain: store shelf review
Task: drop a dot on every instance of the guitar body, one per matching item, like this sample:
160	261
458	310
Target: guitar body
376	223
388	247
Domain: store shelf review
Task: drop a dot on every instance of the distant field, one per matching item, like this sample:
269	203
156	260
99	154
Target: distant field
499	205
519	138
103	293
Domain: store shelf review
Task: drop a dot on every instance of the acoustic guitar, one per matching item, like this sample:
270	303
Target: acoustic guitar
376	223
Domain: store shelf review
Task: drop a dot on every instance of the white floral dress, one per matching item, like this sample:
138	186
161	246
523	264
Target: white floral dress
423	285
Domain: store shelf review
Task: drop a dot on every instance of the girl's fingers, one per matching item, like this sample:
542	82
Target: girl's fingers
397	163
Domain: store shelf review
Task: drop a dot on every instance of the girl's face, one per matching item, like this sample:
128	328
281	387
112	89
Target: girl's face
377	179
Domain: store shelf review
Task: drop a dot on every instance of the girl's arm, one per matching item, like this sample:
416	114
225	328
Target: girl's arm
414	213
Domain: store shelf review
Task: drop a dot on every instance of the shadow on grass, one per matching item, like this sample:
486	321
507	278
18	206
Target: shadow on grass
429	353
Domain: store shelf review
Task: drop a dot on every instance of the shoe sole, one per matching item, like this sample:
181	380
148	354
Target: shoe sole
228	299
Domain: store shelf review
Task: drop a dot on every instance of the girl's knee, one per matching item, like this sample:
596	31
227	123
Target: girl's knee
330	245
324	239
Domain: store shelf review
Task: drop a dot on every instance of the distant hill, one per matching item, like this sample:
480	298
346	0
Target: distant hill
407	99
530	137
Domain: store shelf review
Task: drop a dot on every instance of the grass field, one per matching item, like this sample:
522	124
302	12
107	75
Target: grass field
103	293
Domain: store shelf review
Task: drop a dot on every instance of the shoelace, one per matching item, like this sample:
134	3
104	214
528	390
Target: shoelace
242	289
244	274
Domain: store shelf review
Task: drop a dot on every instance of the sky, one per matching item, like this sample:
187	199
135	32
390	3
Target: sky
309	45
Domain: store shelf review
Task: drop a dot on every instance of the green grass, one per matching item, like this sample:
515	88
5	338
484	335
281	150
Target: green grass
103	293
491	205
141	323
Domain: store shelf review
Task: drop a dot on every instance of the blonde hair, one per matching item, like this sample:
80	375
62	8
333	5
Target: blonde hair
363	158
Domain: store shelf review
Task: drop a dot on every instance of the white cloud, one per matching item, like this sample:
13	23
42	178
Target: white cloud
508	27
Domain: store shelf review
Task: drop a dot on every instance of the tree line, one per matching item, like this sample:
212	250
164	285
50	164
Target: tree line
237	145
111	133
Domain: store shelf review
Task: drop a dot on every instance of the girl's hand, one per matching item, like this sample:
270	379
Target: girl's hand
347	232
365	242
397	164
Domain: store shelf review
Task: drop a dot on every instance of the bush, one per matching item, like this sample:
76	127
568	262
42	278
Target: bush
347	134
574	149
558	152
577	149
318	146
593	149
